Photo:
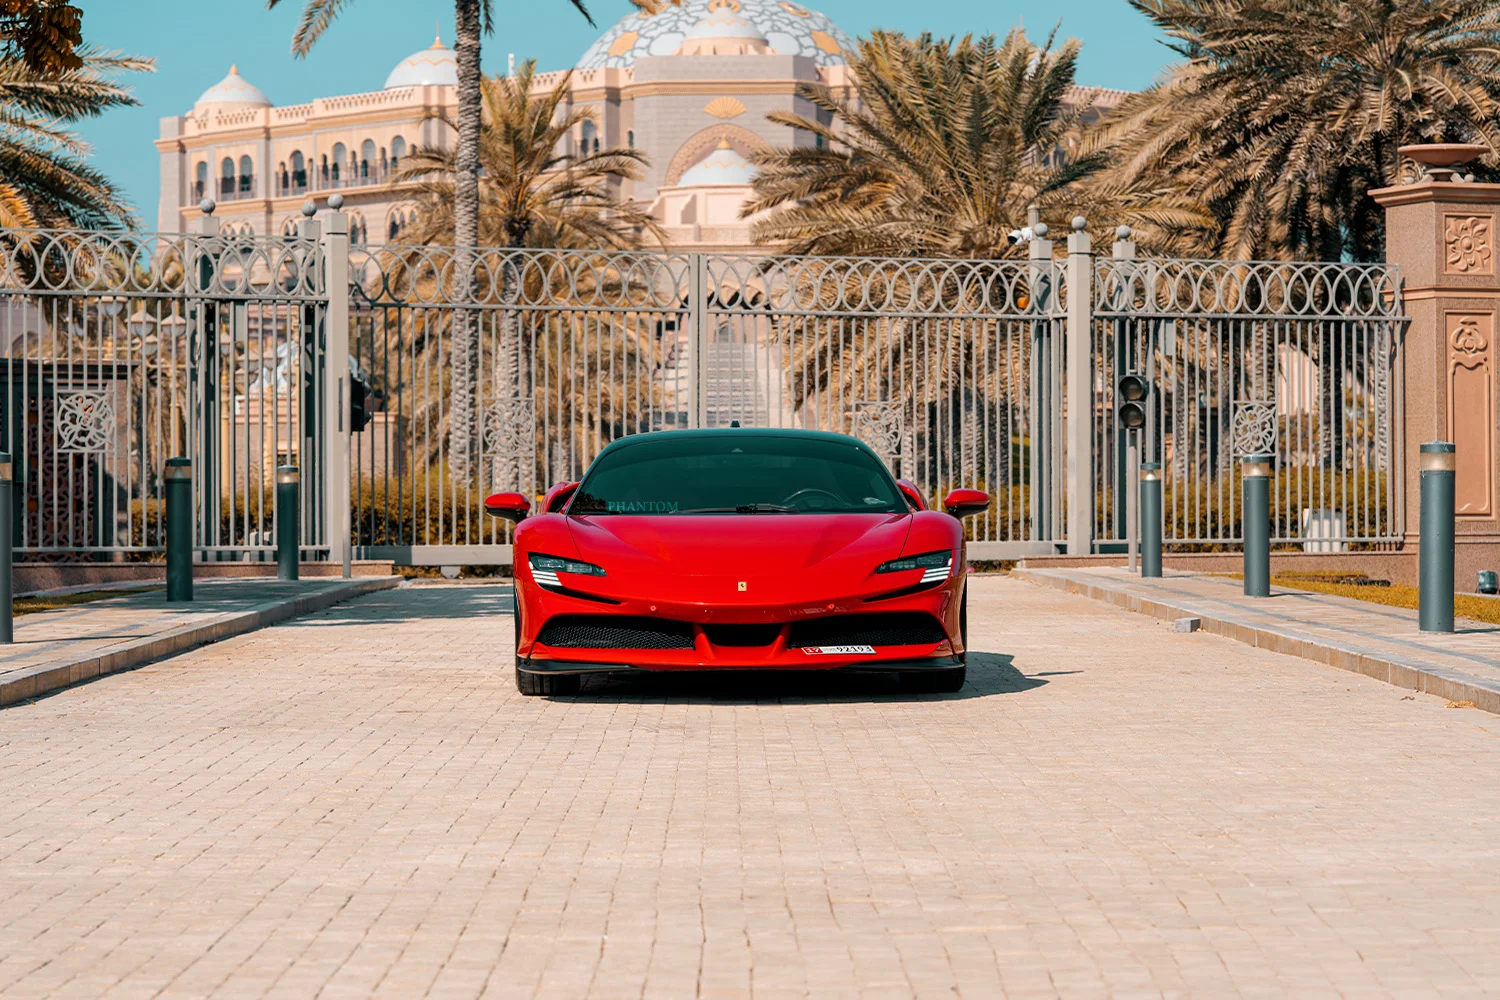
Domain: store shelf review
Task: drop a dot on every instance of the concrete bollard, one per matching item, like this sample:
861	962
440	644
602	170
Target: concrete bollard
1150	519
1435	557
288	551
1255	504
179	489
7	540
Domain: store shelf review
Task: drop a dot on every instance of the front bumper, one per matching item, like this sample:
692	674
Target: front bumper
869	664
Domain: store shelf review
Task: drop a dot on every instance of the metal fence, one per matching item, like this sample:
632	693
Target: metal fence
123	350
497	369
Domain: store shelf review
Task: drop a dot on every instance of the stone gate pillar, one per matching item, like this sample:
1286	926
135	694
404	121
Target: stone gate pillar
1441	233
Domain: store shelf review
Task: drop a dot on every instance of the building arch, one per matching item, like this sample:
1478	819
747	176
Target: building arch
226	177
340	154
398	221
200	180
247	175
290	226
700	144
358	231
398	152
367	160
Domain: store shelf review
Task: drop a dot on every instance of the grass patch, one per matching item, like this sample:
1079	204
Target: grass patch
31	605
1361	588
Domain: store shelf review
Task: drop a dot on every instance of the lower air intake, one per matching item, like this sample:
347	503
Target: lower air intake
608	632
913	629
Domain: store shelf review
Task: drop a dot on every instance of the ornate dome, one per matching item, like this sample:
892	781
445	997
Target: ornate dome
723	166
789	29
234	91
434	64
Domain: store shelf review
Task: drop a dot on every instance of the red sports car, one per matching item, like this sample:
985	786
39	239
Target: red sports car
738	549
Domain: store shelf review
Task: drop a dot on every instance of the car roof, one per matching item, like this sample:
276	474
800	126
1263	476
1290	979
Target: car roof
790	433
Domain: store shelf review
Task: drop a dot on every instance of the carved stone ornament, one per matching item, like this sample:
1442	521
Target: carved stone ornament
1469	341
1471	410
1254	429
85	422
1469	244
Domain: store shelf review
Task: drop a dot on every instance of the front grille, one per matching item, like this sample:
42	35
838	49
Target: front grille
742	635
608	632
911	629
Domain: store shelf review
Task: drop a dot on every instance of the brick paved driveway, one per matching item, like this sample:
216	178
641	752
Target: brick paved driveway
360	803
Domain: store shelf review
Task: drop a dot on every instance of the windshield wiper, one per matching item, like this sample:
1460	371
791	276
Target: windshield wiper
744	508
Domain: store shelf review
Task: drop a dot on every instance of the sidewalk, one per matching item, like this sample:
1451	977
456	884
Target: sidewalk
1370	639
54	649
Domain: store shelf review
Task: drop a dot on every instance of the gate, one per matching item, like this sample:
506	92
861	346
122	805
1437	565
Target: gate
511	369
121	350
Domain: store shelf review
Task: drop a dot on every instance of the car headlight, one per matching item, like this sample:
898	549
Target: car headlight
545	568
934	565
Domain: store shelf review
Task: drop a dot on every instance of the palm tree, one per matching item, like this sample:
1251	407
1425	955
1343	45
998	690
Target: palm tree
470	17
535	192
949	143
1287	112
45	180
45	34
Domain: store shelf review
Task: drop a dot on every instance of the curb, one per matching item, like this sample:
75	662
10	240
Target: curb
44	680
1412	674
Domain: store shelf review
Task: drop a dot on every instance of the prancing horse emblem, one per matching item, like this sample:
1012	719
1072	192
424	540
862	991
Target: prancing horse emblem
742	584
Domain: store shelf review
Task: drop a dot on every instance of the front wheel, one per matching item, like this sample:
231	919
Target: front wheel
547	684
944	681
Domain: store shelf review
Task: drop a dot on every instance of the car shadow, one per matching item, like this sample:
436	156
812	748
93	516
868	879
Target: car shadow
989	674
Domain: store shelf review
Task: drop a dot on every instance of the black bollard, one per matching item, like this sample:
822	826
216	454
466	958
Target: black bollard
287	548
179	489
1435	557
7	620
1150	519
1256	527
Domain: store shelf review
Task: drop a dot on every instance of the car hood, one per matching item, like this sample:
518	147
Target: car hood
795	556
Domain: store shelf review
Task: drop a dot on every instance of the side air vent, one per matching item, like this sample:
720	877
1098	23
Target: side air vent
609	632
912	629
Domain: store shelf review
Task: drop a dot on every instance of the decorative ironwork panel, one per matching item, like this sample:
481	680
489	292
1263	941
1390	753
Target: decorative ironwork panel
1254	427
85	422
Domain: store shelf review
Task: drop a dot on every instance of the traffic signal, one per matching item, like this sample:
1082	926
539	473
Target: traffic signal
360	413
1131	391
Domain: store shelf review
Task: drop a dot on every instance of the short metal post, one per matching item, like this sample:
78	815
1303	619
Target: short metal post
7	539
1255	507
288	551
179	487
1150	507
1435	558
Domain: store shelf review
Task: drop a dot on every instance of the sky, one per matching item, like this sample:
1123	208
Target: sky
195	41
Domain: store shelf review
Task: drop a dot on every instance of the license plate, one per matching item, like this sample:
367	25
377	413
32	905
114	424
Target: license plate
837	650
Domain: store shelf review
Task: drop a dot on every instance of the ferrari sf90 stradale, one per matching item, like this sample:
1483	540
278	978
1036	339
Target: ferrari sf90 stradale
736	549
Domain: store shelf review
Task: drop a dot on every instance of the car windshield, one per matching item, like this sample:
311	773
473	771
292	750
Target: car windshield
737	473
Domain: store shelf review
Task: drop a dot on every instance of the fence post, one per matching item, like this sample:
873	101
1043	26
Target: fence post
7	539
179	485
1080	391
310	379
1255	519
204	367
288	550
1044	387
1437	547
697	308
335	464
1150	506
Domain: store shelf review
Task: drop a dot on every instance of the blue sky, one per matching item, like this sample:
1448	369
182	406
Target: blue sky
195	41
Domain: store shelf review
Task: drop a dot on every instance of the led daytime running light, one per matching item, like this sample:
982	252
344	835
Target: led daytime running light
546	568
931	562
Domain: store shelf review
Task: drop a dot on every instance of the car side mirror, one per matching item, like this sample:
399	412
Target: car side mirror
962	503
912	494
558	496
511	506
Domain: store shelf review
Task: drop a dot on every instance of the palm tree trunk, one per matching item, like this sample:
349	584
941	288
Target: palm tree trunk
465	360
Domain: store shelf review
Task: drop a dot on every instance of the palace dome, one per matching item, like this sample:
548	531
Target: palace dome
234	91
788	28
435	64
723	166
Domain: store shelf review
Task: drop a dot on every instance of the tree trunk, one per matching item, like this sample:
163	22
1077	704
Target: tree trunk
462	443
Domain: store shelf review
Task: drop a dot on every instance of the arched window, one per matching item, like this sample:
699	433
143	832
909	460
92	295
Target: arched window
247	171
200	181
339	155
398	151
590	139
299	173
226	178
366	158
357	228
289	227
630	138
324	171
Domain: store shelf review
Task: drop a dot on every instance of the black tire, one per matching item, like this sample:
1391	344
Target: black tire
532	685
945	681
